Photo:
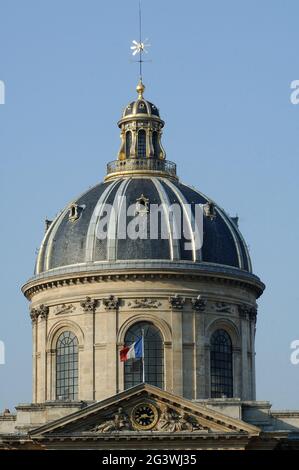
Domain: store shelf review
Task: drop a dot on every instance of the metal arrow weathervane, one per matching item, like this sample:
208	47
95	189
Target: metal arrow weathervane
139	47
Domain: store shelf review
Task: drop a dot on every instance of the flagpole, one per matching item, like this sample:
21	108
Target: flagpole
143	370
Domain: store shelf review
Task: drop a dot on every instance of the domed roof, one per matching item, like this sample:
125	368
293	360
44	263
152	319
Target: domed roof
110	227
74	237
140	107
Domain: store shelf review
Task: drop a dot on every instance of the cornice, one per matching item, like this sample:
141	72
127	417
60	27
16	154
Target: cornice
46	282
117	174
140	117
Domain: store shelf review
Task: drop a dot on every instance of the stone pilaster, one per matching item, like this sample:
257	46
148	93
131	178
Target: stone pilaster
113	363
87	357
39	316
177	352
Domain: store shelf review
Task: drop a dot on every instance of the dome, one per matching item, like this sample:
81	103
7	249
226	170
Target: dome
72	239
140	107
141	187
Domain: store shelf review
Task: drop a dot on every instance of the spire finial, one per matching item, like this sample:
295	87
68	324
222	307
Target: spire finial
139	47
140	89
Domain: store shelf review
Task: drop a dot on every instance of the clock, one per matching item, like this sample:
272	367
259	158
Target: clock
144	416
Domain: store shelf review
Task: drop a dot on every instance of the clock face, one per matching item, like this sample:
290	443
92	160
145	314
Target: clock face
144	416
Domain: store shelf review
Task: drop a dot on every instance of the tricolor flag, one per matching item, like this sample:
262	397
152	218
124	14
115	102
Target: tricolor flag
135	351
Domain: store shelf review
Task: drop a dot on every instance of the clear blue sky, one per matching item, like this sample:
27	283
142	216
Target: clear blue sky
221	75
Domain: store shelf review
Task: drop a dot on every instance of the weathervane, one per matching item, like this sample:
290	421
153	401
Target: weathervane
140	47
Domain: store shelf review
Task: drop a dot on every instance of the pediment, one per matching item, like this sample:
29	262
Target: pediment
143	409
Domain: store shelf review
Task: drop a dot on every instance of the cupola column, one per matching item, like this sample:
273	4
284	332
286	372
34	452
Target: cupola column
149	146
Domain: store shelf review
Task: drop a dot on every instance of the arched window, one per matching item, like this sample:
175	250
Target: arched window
128	143
221	365
155	144
153	356
67	367
141	149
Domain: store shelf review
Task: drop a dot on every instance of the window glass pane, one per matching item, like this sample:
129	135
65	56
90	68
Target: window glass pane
221	365
153	356
155	144
141	152
128	143
67	366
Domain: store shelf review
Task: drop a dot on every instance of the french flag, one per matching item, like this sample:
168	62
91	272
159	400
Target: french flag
135	351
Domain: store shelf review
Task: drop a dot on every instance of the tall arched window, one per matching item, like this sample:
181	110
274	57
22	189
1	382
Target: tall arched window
67	367
141	149
153	356
155	144
221	365
128	143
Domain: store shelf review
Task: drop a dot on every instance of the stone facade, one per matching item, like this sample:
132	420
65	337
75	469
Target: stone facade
85	306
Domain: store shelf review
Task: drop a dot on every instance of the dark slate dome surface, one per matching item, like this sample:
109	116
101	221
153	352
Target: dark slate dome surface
74	242
141	106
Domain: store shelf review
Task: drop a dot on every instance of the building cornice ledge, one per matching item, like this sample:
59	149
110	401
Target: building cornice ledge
86	274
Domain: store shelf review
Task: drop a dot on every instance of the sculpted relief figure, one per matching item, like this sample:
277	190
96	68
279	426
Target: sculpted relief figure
145	303
171	421
119	422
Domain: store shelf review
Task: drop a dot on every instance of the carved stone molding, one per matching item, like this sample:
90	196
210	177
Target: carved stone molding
42	311
247	312
144	303
89	304
171	421
41	285
33	315
120	421
253	314
209	210
199	304
223	307
177	302
64	308
167	420
243	310
111	302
